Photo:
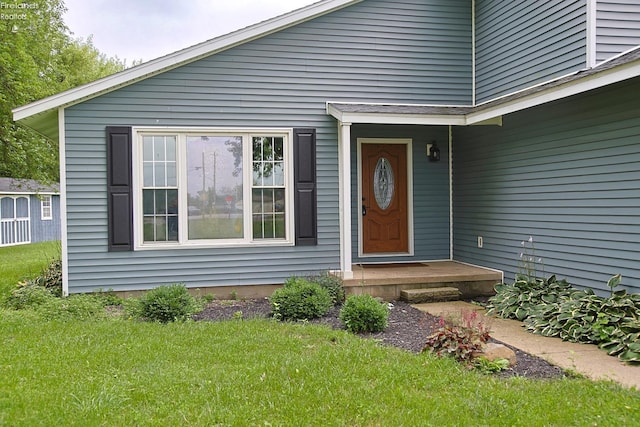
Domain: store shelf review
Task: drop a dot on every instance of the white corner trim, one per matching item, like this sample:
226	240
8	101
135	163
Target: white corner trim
473	52
344	179
181	57
591	33
450	193
63	203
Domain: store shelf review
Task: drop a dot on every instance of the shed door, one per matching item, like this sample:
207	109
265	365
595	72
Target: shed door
14	220
385	225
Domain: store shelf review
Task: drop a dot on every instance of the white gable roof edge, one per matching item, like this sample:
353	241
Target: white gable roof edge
179	58
491	111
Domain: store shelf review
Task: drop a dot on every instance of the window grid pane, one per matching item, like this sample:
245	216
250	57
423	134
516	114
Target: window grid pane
268	213
160	215
159	194
46	207
268	193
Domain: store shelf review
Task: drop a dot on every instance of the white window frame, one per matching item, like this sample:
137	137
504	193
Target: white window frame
181	133
46	205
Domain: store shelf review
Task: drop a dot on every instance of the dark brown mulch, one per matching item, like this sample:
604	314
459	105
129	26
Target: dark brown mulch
408	329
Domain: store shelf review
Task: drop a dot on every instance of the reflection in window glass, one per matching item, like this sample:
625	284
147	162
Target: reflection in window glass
159	164
217	171
160	210
160	193
268	194
214	187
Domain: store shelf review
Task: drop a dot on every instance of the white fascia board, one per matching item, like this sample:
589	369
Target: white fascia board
396	118
174	60
405	119
596	81
29	193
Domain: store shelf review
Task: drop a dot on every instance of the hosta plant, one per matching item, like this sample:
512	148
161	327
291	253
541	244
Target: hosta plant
553	308
527	296
613	323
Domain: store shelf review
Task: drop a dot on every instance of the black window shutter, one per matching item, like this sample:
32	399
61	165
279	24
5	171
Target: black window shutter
304	153
119	188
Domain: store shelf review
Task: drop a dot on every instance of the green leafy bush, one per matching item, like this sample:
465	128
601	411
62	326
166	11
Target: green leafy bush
461	340
526	296
363	313
51	277
559	310
300	299
50	307
108	297
75	307
486	366
331	283
28	295
167	303
613	322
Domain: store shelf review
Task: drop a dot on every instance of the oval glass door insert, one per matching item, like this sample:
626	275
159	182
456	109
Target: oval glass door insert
383	184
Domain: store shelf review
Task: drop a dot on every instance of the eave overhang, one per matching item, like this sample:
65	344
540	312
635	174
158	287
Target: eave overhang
42	115
403	114
619	68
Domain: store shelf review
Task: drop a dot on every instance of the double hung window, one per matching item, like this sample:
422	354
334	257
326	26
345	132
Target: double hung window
219	187
46	209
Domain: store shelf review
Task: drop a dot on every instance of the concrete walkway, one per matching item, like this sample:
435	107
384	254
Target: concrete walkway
586	359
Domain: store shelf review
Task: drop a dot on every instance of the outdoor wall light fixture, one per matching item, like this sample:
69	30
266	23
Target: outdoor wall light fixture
433	152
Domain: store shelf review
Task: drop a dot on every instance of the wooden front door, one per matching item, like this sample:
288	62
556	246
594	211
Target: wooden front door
385	225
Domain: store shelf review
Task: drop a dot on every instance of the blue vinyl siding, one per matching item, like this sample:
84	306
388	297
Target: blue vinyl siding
525	42
48	229
374	51
617	27
430	190
566	174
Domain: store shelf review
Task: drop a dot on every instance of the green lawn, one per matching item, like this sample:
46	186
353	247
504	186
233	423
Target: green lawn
123	372
23	261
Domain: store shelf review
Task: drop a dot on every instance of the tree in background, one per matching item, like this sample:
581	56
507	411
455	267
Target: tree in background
38	58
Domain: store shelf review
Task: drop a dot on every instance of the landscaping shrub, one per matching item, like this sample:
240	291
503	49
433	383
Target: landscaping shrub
300	299
556	309
51	277
526	296
363	313
459	340
331	283
167	303
75	307
28	295
108	297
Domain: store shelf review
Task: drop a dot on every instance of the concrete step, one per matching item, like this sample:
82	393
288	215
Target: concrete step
415	296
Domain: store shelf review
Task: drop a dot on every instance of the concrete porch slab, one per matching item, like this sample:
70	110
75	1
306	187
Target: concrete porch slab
388	280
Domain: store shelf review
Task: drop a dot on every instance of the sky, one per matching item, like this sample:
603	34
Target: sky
148	29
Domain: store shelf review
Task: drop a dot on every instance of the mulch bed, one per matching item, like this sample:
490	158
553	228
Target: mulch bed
408	329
